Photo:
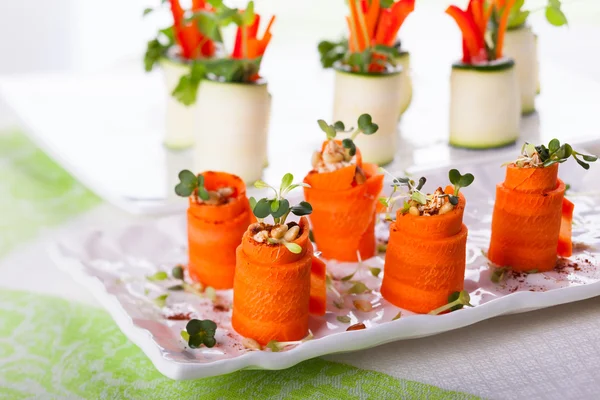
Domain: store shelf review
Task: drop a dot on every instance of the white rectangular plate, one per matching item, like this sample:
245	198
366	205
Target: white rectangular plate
113	265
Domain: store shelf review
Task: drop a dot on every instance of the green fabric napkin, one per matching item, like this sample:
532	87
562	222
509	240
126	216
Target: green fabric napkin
52	348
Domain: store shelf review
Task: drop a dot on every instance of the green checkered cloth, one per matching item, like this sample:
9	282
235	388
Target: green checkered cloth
54	349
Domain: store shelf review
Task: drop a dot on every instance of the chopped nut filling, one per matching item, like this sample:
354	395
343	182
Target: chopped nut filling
334	157
437	204
274	234
222	195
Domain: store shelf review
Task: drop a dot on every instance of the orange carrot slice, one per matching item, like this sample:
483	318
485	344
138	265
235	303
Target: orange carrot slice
505	6
214	232
526	220
565	243
343	217
272	289
531	180
425	259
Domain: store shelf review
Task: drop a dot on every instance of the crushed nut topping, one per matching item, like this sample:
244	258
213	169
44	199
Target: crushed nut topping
222	195
274	234
334	157
437	204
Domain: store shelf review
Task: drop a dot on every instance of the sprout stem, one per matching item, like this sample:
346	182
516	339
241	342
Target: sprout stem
463	300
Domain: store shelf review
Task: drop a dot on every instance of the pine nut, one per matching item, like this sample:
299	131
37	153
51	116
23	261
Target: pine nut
225	191
261	236
446	208
331	158
251	344
414	211
279	231
363	305
292	233
213	198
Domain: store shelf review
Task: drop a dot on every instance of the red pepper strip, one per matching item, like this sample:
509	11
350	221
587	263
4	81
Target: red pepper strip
473	40
364	6
252	47
565	243
390	35
401	10
466	56
264	42
237	47
476	7
363	28
502	26
372	17
198	5
253	28
384	26
352	41
361	45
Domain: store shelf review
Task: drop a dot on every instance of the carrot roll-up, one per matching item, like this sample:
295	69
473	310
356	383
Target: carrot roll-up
218	215
343	191
278	281
530	207
426	252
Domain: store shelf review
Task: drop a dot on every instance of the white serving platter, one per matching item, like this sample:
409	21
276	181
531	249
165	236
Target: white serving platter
113	266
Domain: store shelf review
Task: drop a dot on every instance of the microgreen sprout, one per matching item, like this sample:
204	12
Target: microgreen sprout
343	319
161	300
276	346
459	181
159	276
456	301
555	153
499	274
200	332
365	125
190	184
398	316
418	203
279	208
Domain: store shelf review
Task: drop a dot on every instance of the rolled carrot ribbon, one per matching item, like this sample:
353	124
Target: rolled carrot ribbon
425	259
343	217
526	222
215	232
275	290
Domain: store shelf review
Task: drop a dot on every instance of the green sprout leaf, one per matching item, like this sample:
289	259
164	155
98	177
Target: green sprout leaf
202	192
419	198
339	126
366	125
554	14
343	319
304	208
161	300
210	293
188	182
147	11
398	316
248	15
286	182
252	202
293	247
274	205
177	272
176	288
201	332
282	209
349	144
348	277
460	181
262	209
186	90
274	346
456	301
375	271
159	276
358	288
387	3
328	129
